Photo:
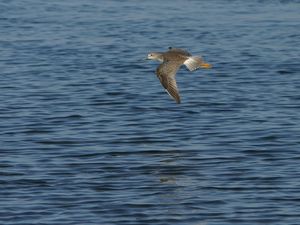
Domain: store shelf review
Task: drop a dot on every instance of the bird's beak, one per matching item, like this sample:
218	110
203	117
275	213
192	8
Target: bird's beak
206	65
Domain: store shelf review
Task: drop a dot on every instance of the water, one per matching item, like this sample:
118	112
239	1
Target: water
88	135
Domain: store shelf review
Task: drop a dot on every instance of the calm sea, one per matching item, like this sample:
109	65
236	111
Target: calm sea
89	136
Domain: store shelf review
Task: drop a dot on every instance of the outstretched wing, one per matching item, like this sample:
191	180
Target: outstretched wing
180	51
166	73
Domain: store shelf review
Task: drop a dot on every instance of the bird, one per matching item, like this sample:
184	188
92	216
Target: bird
171	61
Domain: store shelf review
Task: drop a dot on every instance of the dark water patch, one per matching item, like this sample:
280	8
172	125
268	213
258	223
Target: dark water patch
286	71
60	142
138	140
108	102
114	93
10	174
270	138
23	183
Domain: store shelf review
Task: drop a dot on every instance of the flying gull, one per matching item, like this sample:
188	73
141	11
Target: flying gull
170	63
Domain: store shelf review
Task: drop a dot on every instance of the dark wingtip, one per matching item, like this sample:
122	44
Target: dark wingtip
170	48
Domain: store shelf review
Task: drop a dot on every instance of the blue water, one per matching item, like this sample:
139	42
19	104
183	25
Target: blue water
89	136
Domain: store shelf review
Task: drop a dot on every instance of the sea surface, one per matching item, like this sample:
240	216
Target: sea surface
89	136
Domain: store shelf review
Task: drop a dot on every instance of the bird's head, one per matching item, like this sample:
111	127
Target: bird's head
155	56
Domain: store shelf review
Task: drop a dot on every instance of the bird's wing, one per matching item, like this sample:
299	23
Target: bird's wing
180	51
166	73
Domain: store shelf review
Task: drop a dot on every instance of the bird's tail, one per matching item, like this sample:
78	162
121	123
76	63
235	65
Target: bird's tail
196	62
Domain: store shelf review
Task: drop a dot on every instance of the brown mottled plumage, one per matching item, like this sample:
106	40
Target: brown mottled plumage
171	62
